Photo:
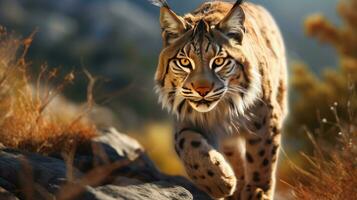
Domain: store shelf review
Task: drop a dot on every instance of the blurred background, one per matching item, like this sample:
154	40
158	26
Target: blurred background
119	42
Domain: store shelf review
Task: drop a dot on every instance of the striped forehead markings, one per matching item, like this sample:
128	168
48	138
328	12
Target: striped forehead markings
200	31
199	47
196	45
203	45
208	45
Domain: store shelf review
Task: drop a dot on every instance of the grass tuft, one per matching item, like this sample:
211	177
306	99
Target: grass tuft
33	115
331	172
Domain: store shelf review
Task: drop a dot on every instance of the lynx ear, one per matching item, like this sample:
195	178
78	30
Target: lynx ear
232	24
172	25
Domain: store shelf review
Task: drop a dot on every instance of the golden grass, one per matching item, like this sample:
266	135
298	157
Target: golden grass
30	118
331	173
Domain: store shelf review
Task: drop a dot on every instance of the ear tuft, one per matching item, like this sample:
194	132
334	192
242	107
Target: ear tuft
232	24
160	3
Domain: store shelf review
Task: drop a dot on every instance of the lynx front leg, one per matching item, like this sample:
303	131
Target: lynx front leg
261	157
233	149
204	165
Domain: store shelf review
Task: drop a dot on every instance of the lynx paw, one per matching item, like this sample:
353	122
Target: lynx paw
251	193
205	166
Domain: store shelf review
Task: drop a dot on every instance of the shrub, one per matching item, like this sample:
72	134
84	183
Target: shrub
33	116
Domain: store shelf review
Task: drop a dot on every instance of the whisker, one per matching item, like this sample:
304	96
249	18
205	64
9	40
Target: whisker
216	94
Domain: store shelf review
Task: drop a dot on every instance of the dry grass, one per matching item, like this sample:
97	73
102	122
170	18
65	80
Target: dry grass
35	117
331	173
32	115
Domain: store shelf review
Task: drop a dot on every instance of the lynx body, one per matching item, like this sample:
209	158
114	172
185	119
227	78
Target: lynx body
222	73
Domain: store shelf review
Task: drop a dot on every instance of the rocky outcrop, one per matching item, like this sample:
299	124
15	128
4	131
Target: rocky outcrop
112	166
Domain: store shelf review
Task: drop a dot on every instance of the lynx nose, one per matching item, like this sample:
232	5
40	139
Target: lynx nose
202	87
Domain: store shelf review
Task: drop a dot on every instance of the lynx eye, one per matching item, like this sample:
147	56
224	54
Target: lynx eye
185	62
219	61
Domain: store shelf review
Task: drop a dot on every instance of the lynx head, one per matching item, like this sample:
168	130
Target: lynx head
203	63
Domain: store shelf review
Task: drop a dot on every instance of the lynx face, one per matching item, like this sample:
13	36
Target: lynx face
203	63
204	70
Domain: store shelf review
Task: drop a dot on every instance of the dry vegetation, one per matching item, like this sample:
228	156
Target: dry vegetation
335	85
331	171
33	116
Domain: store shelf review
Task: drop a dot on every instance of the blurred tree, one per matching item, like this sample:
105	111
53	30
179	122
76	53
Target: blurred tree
326	107
316	100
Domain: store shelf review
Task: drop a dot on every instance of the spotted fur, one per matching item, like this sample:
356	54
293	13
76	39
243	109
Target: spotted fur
222	72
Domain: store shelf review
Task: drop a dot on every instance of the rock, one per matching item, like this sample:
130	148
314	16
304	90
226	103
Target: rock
119	144
19	169
156	190
113	166
112	146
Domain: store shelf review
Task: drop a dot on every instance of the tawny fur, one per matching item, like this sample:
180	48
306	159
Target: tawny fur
229	150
